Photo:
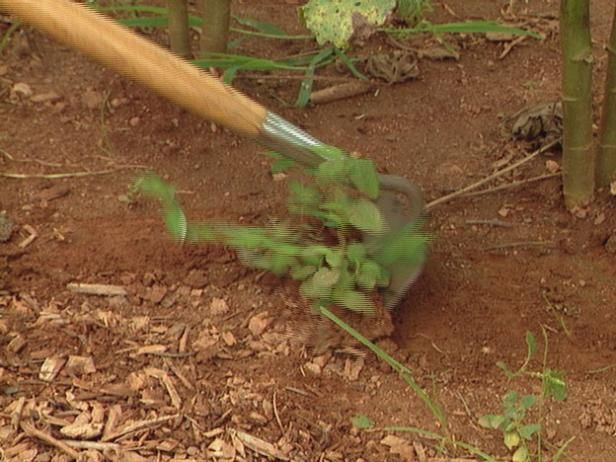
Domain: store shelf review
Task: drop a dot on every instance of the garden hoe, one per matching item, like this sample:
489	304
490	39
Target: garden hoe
133	56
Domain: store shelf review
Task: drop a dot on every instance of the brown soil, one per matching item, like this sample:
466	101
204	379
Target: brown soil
219	349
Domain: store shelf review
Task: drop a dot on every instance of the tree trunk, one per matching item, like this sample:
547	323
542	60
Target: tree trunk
578	153
178	27
215	29
606	167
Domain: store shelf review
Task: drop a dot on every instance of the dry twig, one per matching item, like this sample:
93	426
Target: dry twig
470	187
33	432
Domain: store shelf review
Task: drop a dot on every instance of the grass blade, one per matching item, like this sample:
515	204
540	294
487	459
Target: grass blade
306	86
348	62
402	370
464	27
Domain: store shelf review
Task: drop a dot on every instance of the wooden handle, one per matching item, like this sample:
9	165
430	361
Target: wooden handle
141	60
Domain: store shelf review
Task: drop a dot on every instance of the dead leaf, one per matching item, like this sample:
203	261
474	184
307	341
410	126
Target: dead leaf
552	166
80	365
352	368
82	428
399	446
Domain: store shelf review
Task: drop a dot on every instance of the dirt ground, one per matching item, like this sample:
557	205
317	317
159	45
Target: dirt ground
202	359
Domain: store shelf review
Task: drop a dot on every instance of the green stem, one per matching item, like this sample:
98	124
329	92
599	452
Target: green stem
578	155
606	166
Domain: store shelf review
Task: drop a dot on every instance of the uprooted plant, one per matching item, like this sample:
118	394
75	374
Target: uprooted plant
323	249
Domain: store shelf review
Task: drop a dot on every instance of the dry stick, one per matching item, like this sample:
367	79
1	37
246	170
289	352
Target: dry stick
33	432
322	78
514	184
498	174
108	290
55	176
78	444
275	407
138	426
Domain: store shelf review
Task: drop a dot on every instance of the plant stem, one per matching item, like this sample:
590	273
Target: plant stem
606	167
178	27
578	155
215	29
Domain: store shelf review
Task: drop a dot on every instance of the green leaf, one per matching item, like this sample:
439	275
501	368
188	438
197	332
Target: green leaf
492	421
282	165
175	221
369	273
245	238
364	177
304	195
331	20
505	368
365	216
306	86
261	26
326	277
313	291
334	258
302	272
520	455
333	171
510	399
281	263
554	385
314	254
354	301
328	152
408	245
528	401
511	440
527	431
356	252
384	278
362	422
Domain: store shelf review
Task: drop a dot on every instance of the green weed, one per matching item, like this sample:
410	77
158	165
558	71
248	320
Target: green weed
513	422
338	196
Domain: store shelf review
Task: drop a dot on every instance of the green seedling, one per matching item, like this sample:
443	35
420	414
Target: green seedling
517	432
338	197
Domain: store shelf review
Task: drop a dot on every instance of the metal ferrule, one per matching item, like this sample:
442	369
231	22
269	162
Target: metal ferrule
289	140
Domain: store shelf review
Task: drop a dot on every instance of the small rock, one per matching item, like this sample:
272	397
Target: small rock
504	211
157	293
312	368
229	338
218	306
92	99
552	166
259	323
599	219
613	188
21	90
279	176
49	97
610	244
4	69
197	279
134	121
117	102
